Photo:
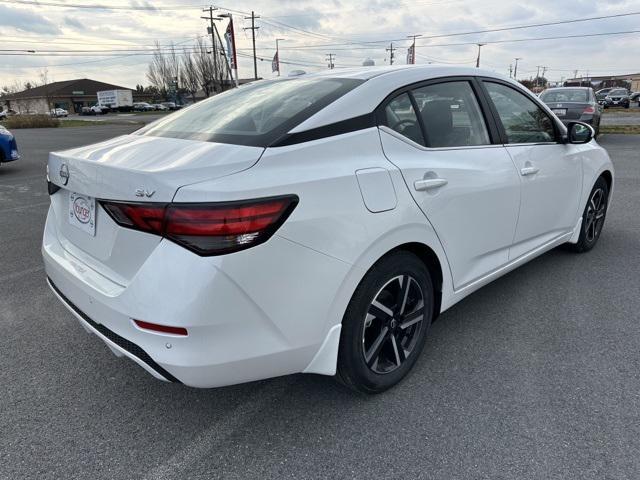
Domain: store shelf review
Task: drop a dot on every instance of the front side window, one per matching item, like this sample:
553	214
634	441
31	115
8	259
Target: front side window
255	114
522	119
399	115
451	115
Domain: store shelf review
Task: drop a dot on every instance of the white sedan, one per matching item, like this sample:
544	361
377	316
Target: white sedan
317	223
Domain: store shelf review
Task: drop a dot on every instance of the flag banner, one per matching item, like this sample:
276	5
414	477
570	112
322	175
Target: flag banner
411	54
228	37
275	63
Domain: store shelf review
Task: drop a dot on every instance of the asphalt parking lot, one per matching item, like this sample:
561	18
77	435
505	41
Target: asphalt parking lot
535	376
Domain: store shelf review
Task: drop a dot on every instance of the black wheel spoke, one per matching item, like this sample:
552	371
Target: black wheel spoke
372	355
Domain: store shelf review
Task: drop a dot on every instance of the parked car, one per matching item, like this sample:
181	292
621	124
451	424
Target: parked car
618	97
159	106
8	146
574	103
601	94
315	224
7	113
59	112
142	107
171	105
634	96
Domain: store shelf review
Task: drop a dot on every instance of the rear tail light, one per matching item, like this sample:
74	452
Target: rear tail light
207	228
589	109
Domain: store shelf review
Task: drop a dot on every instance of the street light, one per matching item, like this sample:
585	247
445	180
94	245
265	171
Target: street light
515	69
480	45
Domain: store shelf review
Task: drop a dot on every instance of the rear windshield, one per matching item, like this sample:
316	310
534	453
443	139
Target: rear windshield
256	114
565	95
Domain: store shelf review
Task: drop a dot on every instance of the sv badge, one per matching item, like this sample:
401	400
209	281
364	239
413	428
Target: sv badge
142	192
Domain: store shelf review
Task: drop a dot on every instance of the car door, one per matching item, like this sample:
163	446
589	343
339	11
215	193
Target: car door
459	174
550	170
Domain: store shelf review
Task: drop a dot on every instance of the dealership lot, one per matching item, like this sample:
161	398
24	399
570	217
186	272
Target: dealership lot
535	376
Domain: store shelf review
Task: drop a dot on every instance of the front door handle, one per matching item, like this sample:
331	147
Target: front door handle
529	171
429	184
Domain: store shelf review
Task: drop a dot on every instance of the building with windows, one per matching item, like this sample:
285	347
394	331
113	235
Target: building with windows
71	95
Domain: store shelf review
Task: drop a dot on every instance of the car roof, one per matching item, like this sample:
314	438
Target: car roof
378	83
565	88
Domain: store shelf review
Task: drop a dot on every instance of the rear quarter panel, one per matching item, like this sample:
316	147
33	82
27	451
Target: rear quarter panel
331	217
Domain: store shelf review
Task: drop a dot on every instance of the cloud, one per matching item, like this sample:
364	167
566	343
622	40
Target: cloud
26	21
73	23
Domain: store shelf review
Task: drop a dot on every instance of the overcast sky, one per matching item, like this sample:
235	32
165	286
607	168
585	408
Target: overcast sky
313	28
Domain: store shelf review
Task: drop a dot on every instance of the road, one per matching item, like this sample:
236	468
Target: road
536	376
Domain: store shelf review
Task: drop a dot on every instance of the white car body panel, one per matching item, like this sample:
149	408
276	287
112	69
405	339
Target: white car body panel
276	308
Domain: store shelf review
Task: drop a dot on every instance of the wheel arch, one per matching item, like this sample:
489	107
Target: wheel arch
430	253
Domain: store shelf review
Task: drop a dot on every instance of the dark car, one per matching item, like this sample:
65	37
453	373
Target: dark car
601	95
574	103
618	97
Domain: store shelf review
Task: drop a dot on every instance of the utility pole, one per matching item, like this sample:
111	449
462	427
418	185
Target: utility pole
278	54
253	29
391	49
413	48
515	69
480	45
538	74
544	71
330	57
511	70
211	30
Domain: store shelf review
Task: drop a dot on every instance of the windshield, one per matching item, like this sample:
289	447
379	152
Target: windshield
565	95
255	114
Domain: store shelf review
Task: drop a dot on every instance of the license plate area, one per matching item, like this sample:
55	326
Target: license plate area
82	212
561	112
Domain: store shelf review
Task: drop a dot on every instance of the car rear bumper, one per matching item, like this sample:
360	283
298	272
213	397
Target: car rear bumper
249	315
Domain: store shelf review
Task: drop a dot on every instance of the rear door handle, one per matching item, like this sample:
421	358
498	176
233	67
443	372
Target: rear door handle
429	184
529	171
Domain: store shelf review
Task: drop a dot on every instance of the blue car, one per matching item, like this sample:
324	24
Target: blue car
8	146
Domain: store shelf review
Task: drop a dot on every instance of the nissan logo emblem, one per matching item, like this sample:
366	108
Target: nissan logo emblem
64	173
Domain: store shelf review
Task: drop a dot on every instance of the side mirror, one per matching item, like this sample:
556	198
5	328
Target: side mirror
579	132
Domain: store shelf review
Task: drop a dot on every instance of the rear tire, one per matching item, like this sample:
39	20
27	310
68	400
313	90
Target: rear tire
386	323
593	217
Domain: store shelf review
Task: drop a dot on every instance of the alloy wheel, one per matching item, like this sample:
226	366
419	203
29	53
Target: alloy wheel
392	324
596	210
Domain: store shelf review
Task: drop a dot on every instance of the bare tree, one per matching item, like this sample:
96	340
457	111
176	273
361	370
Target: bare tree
204	66
158	70
190	79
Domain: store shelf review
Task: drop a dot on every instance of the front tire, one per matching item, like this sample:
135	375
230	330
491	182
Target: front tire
593	217
386	323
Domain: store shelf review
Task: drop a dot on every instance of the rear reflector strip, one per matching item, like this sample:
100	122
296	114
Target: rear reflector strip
154	327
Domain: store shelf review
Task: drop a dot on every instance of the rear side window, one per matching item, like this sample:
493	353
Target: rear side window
523	120
255	114
451	115
399	115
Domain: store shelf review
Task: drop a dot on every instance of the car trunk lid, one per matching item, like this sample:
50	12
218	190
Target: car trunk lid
568	110
131	168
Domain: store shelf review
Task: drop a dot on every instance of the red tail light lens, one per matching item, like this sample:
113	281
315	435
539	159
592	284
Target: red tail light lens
207	228
589	109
